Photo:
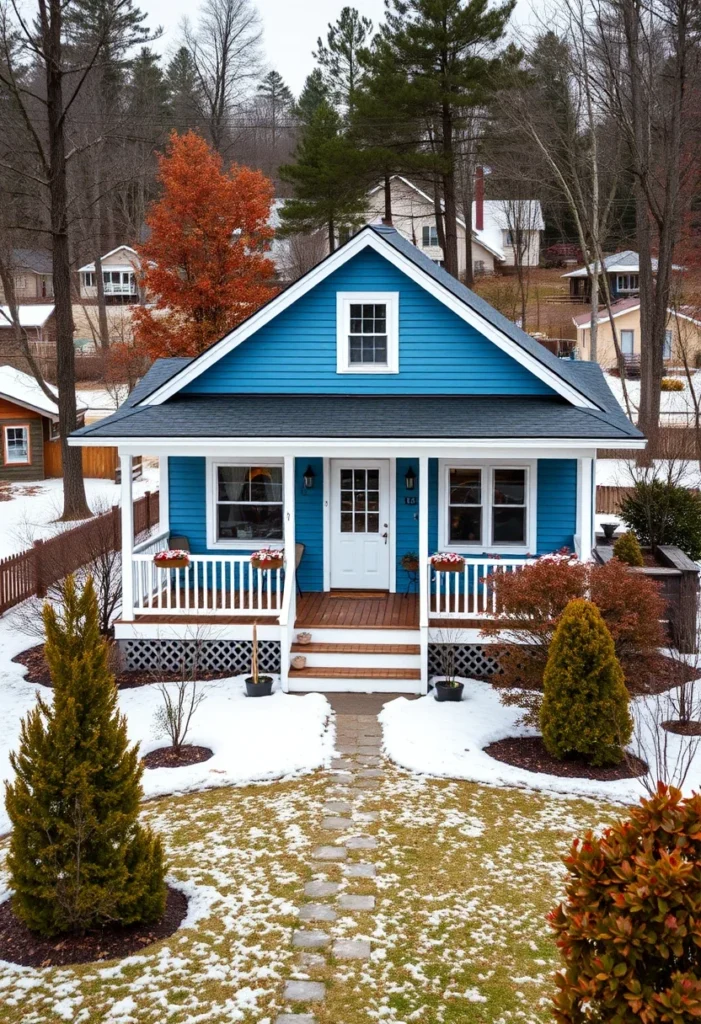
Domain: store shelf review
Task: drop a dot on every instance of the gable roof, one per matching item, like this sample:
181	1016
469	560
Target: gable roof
36	260
583	321
22	389
120	248
390	244
626	262
33	315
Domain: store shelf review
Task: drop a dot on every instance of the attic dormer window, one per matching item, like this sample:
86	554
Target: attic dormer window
367	332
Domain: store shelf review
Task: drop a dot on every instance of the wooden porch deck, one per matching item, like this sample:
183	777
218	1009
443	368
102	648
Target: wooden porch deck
361	609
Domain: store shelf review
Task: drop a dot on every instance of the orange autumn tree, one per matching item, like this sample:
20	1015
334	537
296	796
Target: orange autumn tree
204	263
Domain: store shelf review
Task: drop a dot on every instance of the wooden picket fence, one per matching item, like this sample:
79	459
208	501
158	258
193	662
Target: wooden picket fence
608	499
31	572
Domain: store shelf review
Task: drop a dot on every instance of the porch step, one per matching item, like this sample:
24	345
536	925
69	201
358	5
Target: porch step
339	672
359	656
349	648
357	679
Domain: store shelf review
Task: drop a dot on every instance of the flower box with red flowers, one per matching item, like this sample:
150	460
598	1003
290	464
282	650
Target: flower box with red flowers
447	561
268	558
174	558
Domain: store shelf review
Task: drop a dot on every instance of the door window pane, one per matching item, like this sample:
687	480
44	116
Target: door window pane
357	498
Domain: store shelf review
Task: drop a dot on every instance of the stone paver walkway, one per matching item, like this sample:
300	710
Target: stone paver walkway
342	859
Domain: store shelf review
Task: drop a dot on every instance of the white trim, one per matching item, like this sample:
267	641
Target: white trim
343	304
127	500
367	238
19	425
234	543
91	266
163	493
392	526
487	545
423	561
44	413
385	468
585	507
326	524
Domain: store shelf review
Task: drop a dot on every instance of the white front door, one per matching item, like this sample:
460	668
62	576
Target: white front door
360	524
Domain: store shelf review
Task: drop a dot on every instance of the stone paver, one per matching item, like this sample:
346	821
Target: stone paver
337	807
341	762
343	776
295	1018
312	939
370	773
338	824
367	749
351	949
367	816
321	888
330	853
358	869
361	843
369	759
304	991
350	902
311	961
317	912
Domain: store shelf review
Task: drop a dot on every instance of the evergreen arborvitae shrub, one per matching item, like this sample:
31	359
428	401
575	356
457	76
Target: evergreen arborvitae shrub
585	701
628	550
79	859
660	512
630	925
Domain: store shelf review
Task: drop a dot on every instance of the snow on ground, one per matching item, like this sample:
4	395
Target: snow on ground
32	508
676	407
100	402
447	740
253	739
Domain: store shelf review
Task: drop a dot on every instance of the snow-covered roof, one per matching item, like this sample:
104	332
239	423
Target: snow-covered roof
583	321
29	316
22	388
90	267
626	262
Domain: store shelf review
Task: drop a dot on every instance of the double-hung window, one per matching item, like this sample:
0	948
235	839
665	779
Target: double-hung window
487	507
429	236
246	504
16	446
628	283
367	332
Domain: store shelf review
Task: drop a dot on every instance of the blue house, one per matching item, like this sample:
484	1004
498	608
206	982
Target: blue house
372	414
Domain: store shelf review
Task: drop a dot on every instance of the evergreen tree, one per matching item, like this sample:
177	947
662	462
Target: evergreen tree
148	90
184	91
278	100
628	550
119	24
338	57
313	94
585	701
327	179
79	859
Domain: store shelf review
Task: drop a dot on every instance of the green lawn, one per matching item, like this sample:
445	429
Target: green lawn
466	874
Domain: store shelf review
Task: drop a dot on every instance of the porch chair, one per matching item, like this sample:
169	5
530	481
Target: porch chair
177	543
299	552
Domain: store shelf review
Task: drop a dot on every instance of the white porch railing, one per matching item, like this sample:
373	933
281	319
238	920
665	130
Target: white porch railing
226	585
467	594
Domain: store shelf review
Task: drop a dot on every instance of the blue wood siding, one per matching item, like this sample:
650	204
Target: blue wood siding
309	524
557	504
188	501
407	524
438	352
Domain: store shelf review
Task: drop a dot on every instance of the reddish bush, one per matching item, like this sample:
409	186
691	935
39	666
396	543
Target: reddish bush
629	929
534	598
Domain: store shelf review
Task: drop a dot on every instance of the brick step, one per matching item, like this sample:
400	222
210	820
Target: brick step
337	672
348	648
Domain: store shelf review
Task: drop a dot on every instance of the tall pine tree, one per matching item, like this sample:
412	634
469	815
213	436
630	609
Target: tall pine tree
338	57
313	94
79	859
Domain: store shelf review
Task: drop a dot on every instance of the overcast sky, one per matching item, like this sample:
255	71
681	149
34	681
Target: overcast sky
290	28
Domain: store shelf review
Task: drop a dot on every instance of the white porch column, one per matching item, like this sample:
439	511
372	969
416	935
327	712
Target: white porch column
585	507
288	615
423	569
125	466
163	494
289	509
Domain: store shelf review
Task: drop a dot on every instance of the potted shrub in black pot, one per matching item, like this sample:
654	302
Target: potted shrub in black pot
256	684
447	687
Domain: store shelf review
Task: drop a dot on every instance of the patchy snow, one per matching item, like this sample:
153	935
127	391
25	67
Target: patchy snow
676	407
29	510
253	739
448	740
620	472
99	402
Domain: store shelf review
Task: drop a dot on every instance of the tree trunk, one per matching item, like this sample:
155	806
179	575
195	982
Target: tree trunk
101	304
594	331
332	235
388	199
451	226
467	216
75	505
438	210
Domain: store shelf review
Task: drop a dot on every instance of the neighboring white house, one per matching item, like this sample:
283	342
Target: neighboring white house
119	271
511	225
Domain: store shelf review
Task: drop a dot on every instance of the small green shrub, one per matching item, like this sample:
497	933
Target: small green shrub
671	384
628	550
628	929
585	701
663	513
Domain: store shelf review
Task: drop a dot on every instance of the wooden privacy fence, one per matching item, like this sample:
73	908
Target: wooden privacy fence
608	499
102	463
31	572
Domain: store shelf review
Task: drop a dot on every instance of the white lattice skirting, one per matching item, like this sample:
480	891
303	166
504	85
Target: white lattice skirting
181	656
471	661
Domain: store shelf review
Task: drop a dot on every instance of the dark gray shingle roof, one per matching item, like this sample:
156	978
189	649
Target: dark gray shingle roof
36	260
359	416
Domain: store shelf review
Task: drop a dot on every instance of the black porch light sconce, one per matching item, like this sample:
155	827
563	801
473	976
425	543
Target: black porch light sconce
309	477
410	479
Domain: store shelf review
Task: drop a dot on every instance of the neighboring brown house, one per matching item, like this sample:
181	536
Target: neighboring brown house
32	271
29	436
38	321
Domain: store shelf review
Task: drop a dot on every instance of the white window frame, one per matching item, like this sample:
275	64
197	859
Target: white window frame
487	467
432	233
236	543
624	282
631	332
6	447
344	300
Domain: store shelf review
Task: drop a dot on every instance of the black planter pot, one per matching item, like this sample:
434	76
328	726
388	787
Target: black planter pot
442	692
263	688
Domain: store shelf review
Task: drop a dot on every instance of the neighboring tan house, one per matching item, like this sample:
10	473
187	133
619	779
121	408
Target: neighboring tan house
32	273
682	337
374	412
622	270
120	267
39	324
29	434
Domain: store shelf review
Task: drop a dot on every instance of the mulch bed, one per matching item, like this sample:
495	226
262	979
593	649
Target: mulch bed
691	728
38	672
20	946
529	752
166	757
665	675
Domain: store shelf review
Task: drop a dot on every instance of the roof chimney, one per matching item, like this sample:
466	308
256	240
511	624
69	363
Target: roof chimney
387	221
479	199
